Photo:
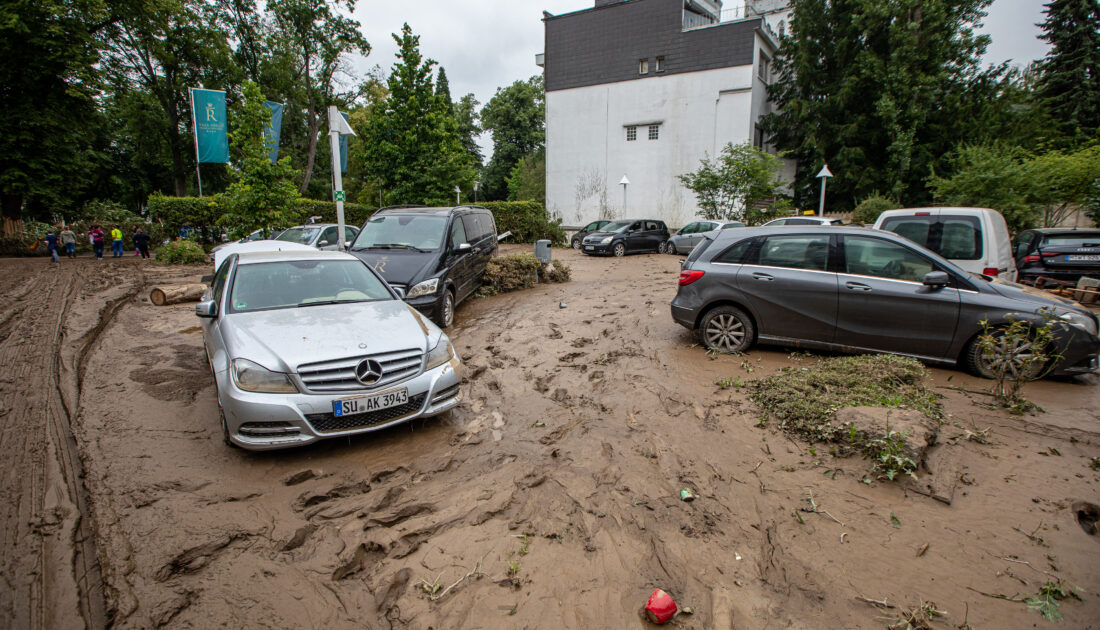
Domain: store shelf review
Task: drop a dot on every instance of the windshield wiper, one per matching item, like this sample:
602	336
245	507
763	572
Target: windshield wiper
324	302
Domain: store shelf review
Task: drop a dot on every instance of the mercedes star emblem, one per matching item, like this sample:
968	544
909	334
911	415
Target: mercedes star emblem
368	372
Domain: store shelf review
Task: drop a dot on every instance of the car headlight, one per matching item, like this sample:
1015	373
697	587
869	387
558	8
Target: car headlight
606	240
427	287
440	354
252	377
1079	320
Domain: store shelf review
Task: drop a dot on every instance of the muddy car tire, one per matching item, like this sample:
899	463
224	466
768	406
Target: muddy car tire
988	364
670	248
446	314
619	250
576	243
222	423
727	330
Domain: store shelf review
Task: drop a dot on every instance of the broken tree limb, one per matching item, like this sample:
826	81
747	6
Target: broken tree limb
162	296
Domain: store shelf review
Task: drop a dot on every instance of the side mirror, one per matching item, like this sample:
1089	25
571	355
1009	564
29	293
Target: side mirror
322	244
208	309
936	279
463	248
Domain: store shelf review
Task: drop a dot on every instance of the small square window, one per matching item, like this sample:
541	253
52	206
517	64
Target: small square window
763	68
643	66
659	64
631	134
654	132
758	137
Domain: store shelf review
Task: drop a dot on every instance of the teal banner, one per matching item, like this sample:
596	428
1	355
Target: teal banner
344	149
271	134
208	113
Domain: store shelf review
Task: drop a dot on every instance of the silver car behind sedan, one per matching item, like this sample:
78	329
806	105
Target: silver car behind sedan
306	345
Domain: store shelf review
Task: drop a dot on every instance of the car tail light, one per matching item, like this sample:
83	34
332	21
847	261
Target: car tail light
1050	254
991	271
1032	258
688	276
922	214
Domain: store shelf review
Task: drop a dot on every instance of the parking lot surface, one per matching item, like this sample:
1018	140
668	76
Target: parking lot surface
549	499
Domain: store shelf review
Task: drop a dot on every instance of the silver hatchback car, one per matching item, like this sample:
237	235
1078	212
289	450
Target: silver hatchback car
861	290
306	345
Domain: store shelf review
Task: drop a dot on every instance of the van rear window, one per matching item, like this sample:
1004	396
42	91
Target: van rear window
954	237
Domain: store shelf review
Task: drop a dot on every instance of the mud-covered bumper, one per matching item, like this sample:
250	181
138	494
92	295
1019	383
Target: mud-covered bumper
1077	352
262	422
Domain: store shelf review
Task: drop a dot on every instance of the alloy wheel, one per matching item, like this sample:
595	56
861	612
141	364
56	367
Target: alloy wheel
725	332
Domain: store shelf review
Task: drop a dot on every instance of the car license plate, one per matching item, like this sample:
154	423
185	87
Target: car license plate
588	248
1084	258
366	404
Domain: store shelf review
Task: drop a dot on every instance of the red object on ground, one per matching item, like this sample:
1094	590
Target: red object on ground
660	607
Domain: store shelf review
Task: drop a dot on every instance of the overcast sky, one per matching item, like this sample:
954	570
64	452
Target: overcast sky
486	44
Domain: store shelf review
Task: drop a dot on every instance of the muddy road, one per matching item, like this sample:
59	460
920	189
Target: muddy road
548	499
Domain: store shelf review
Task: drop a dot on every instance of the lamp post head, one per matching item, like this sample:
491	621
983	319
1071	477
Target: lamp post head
825	172
624	181
457	189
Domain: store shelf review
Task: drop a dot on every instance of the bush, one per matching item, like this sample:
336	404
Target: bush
182	252
202	213
868	210
517	271
528	221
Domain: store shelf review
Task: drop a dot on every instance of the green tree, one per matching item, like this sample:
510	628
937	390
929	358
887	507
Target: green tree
988	176
516	116
48	82
411	140
1070	81
264	194
161	50
466	115
742	184
317	38
527	181
443	88
874	89
868	210
1059	181
1091	206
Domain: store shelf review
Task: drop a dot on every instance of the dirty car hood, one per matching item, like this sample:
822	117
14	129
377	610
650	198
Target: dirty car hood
283	339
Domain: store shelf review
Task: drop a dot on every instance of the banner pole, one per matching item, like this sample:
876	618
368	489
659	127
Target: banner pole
195	135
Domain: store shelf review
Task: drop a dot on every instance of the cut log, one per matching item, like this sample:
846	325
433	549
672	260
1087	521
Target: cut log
176	294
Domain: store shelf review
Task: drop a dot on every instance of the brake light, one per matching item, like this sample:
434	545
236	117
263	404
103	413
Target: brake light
688	276
991	271
922	214
1032	258
1050	254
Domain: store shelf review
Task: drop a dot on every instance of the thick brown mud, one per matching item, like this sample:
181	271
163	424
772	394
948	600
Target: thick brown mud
550	498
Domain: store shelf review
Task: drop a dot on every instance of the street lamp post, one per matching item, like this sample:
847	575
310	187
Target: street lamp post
624	182
824	176
458	195
477	184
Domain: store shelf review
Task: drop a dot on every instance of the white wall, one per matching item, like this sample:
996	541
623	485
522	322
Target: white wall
587	153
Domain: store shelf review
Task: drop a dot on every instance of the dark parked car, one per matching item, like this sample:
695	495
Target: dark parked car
1062	254
585	231
861	290
626	237
686	238
433	257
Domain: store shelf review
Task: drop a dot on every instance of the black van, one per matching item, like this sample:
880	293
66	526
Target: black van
433	257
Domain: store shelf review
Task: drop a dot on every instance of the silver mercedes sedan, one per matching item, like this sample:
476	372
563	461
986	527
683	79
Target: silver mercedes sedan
306	345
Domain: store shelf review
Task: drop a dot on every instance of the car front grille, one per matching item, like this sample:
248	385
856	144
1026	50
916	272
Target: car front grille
339	375
330	423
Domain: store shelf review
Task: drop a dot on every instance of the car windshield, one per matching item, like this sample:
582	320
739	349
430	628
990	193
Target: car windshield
299	283
303	235
402	231
616	226
1087	239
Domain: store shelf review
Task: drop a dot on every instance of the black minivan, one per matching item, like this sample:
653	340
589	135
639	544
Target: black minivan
433	257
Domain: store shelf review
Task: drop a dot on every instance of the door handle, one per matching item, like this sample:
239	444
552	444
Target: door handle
857	286
763	276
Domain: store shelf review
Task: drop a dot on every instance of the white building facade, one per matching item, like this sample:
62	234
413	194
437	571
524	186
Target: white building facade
644	90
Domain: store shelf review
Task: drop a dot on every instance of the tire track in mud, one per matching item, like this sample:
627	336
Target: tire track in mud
50	568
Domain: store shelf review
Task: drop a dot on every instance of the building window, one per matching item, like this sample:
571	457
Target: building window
631	134
643	66
654	132
758	137
782	28
659	64
763	67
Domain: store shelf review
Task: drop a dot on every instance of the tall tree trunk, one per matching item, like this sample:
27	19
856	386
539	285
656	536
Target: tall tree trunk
179	177
12	206
311	153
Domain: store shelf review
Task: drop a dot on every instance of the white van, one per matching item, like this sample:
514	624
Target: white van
975	239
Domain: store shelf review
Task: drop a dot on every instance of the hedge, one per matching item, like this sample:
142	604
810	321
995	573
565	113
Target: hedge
528	221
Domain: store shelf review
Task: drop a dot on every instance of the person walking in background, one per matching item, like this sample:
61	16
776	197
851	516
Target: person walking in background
51	246
132	235
68	242
116	242
96	235
141	242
